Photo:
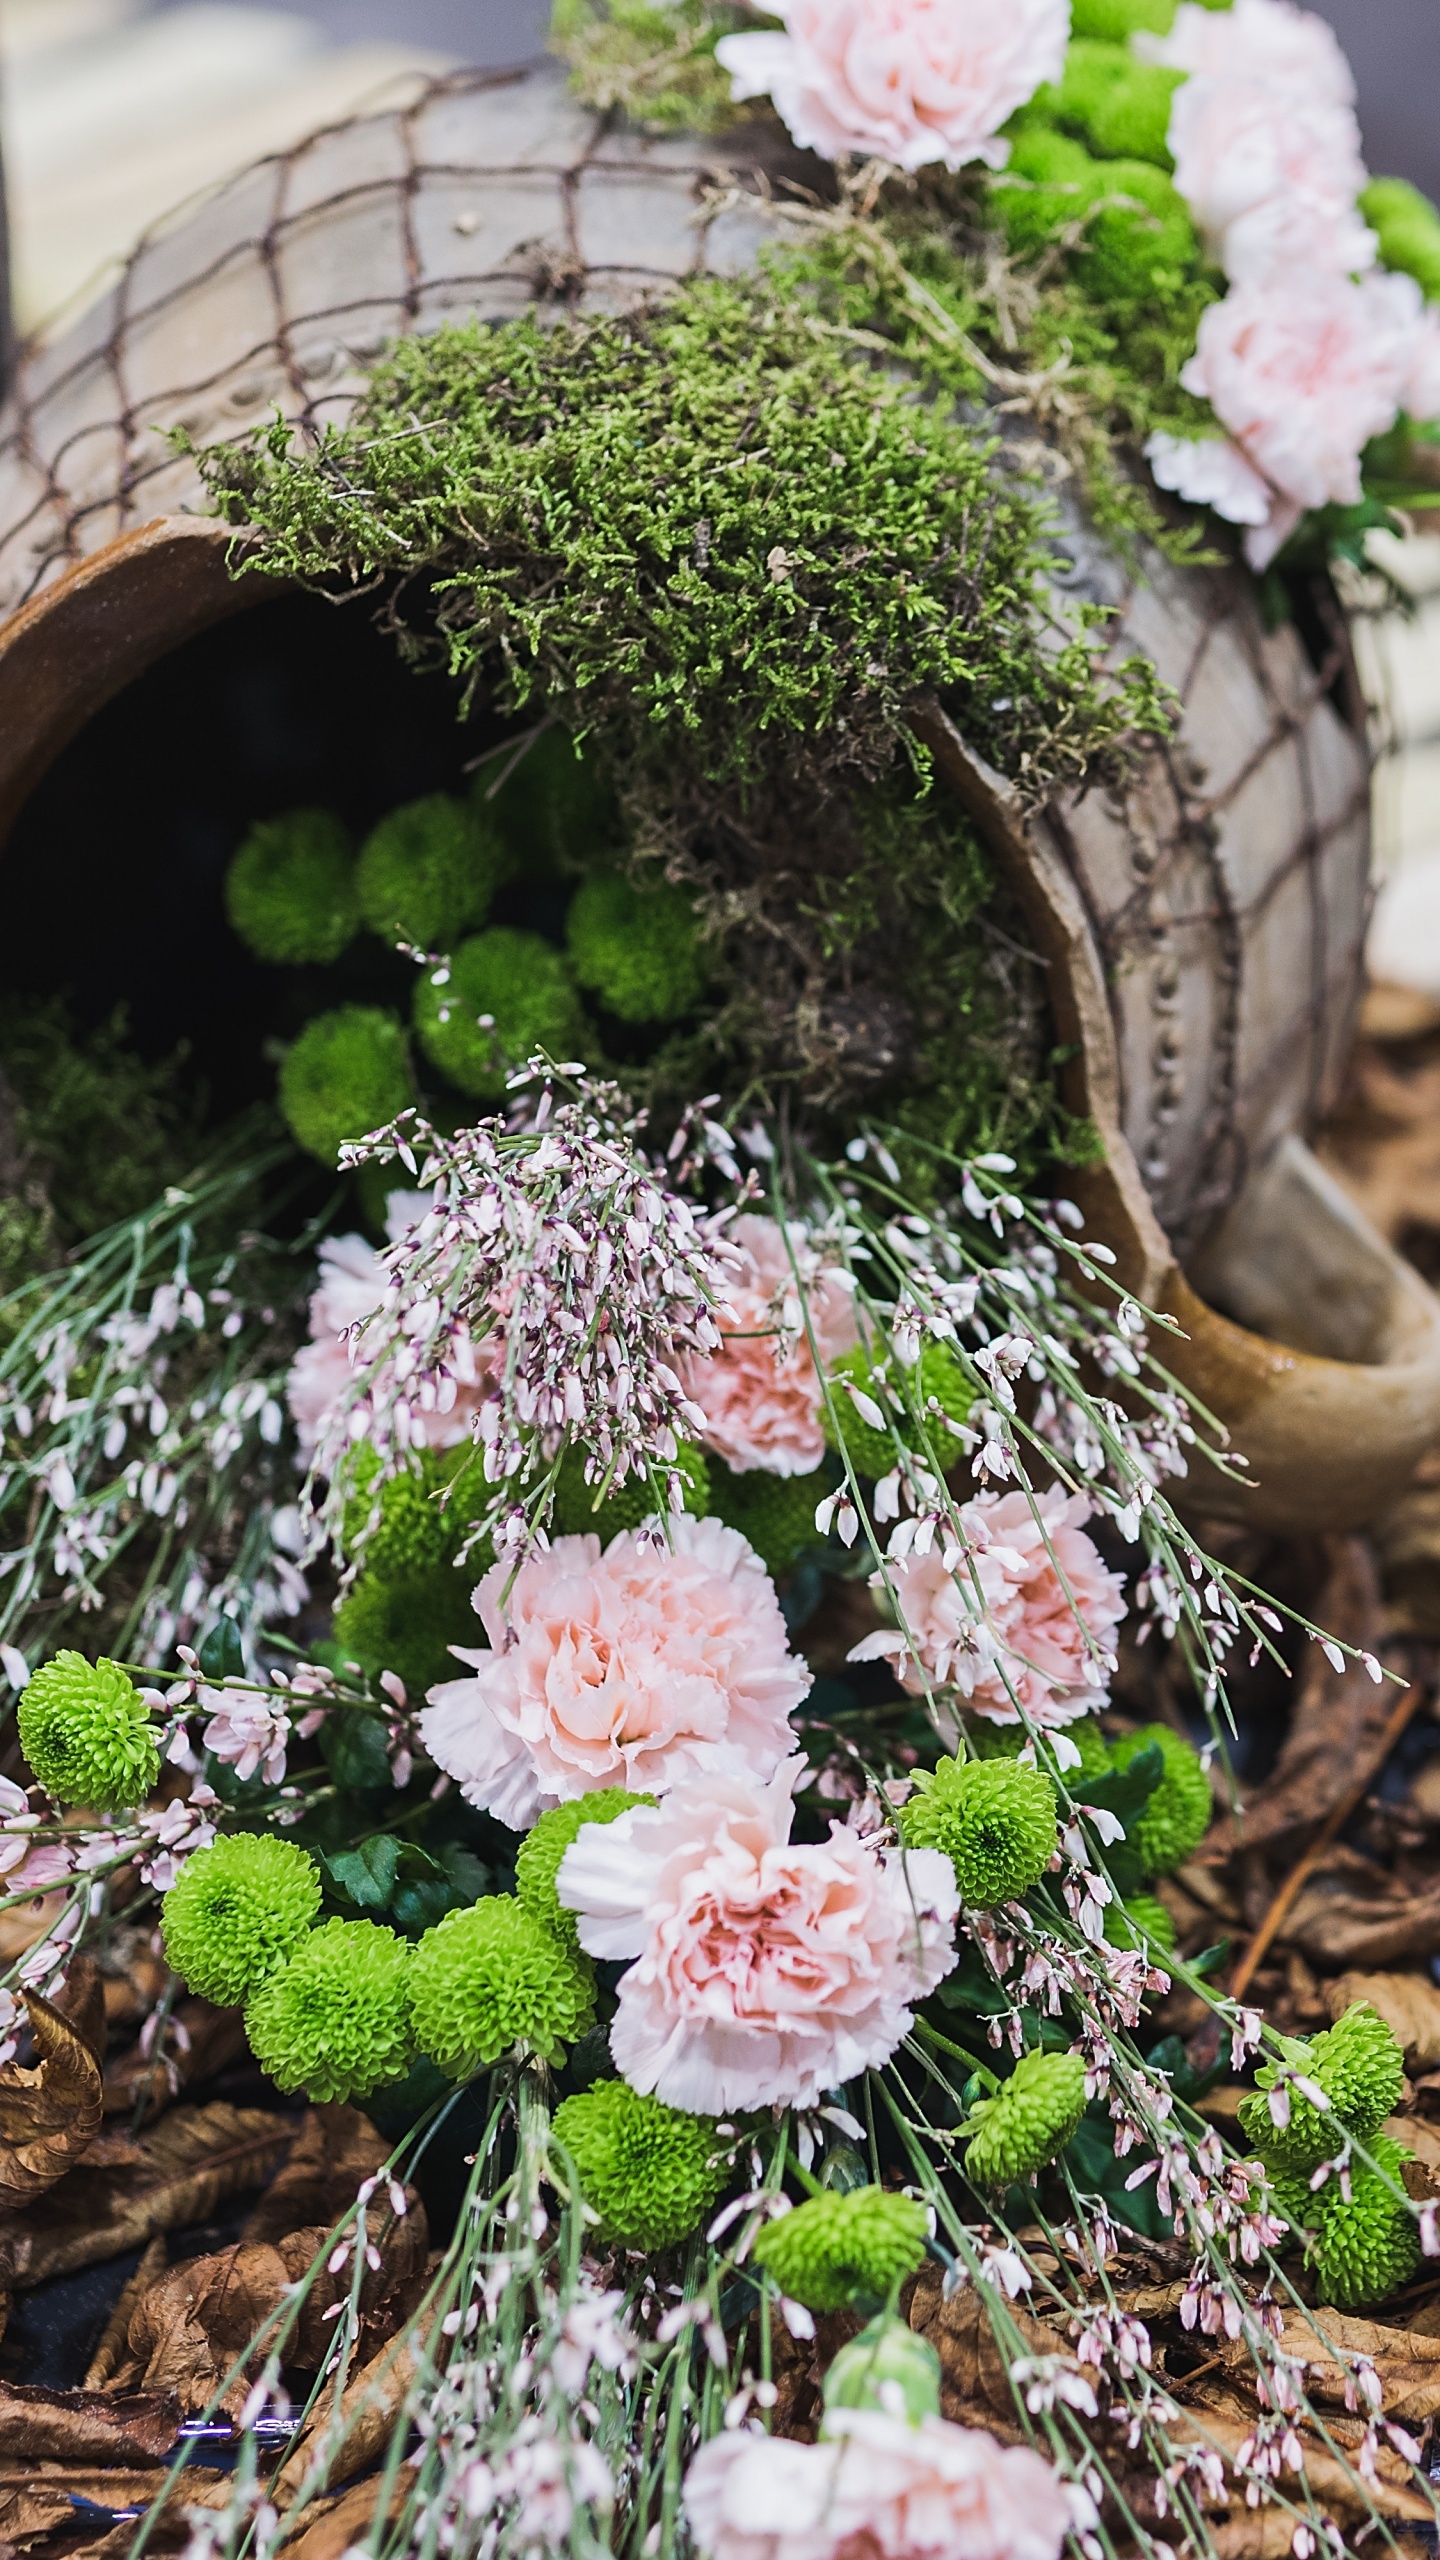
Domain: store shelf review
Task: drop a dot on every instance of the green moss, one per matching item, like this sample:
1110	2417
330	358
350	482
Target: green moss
1121	107
401	1523
428	872
521	984
98	1133
1407	225
1115	21
650	2172
655	62
290	889
345	1075
408	1626
715	530
775	1513
637	950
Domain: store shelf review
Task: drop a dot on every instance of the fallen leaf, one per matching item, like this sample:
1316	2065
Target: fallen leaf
50	2114
330	2527
1336	2485
213	2038
975	2385
112	2348
35	2503
193	2161
23	1927
335	2150
1408	2002
341	2440
82	2001
1406	2361
1336	1723
1352	1913
86	2426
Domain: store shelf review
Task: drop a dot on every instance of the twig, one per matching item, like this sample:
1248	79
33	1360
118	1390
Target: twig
1304	1868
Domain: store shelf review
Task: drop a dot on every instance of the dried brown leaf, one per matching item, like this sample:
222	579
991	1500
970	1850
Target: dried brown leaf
1408	2002
214	2039
329	2527
36	2502
975	2386
1336	1725
336	2443
1353	1914
1337	2486
111	2351
336	2149
86	2426
82	2001
193	2161
50	2113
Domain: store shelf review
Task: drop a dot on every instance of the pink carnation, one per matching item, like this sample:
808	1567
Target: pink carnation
877	2488
761	1395
908	81
636	1668
1304	372
1000	1624
1271	178
1263	40
765	1971
352	1285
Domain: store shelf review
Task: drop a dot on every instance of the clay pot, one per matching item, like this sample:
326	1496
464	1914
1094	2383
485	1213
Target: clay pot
1204	940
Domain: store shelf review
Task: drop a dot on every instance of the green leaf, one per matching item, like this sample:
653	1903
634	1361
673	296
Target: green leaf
222	1655
353	1743
366	1875
1125	1792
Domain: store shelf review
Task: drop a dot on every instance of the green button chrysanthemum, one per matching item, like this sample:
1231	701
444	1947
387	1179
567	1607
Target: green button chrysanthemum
1142	1921
1028	2122
334	2019
994	1820
650	2172
887	2357
576	1513
537	1861
637	949
290	891
402	1521
86	1733
236	1911
844	2252
1367	2248
775	1513
492	1977
1177	1816
1007	1741
1358	2064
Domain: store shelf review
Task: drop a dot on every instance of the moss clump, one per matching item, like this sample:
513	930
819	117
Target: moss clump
99	1134
844	2252
1357	2064
550	803
408	1625
775	1513
1121	107
650	2172
1116	21
86	1733
856	549
1177	1816
871	1449
237	1911
537	1861
1028	2123
428	872
334	2020
522	988
637	950
1407	226
1366	2248
578	1514
994	1820
344	1076
290	889
653	59
492	1977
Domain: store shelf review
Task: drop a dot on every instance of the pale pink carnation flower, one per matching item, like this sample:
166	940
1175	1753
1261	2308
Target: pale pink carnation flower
352	1285
877	2488
1271	178
1303	374
246	1734
908	81
638	1667
765	1971
1212	472
761	1396
1264	40
1002	1620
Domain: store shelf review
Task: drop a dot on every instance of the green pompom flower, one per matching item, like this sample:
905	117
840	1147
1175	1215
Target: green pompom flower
844	2252
1006	1741
343	1077
1177	1816
491	1977
1143	1921
650	2172
775	1513
1366	2249
237	1911
428	872
638	950
290	890
1360	2067
1407	226
402	1522
888	2355
1119	105
870	1450
576	1516
409	1625
522	987
994	1820
537	1861
1115	21
86	1733
334	2019
552	809
1028	2122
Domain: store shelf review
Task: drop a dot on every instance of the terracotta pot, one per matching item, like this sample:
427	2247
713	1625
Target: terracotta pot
1204	940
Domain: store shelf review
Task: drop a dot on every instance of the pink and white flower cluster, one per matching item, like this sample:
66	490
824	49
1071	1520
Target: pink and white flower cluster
353	1282
760	1393
1021	1614
1311	354
908	81
877	2488
642	1666
762	1970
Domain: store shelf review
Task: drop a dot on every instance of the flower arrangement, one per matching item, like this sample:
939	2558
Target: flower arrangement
667	1758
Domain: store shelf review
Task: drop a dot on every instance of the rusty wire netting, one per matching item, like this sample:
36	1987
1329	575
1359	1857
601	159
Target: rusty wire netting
1227	896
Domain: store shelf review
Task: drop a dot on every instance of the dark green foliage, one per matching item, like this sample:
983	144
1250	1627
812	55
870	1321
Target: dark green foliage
776	1513
345	1075
549	802
428	872
523	985
89	1133
1408	228
706	525
579	1512
408	1627
290	889
637	950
